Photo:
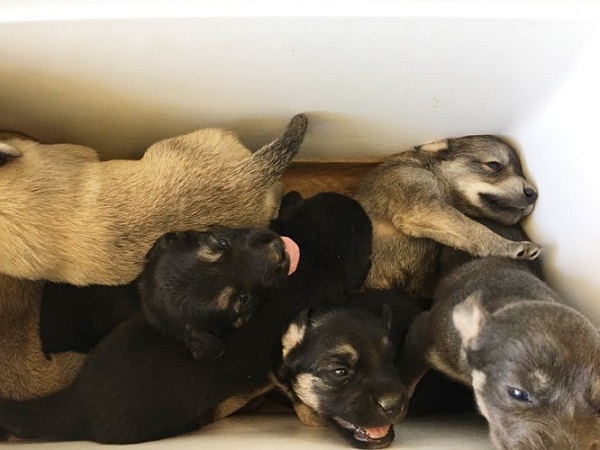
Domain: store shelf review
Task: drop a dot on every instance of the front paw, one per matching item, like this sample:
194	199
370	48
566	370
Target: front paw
524	250
203	346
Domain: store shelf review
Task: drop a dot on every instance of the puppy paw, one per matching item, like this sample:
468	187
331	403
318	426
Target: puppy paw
525	250
307	416
205	347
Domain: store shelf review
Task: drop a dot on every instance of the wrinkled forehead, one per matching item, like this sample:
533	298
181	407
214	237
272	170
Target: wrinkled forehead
487	147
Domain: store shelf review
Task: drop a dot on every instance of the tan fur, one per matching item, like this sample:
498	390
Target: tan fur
419	199
311	177
24	370
307	416
65	216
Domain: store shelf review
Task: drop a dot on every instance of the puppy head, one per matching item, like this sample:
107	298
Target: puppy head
486	174
535	370
333	232
211	280
340	364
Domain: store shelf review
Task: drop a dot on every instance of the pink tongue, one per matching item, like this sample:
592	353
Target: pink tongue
377	432
293	251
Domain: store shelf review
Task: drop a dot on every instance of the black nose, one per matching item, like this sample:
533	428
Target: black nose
530	194
392	404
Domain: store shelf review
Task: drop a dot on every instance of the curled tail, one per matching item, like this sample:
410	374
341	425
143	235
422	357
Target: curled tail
47	417
276	156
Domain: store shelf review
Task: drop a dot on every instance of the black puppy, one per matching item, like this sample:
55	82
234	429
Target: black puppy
197	287
139	385
338	365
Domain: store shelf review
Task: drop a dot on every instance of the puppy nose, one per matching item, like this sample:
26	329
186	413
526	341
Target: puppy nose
392	404
530	195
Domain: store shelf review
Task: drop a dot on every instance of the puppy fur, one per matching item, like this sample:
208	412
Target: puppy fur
533	363
197	287
139	385
68	217
421	198
339	366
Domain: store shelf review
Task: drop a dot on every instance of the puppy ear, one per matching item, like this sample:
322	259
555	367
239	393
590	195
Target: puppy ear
441	145
290	204
469	318
295	332
8	153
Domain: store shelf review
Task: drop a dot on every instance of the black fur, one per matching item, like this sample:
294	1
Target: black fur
342	367
139	385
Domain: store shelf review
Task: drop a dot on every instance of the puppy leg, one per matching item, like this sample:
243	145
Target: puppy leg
447	225
25	372
412	361
307	416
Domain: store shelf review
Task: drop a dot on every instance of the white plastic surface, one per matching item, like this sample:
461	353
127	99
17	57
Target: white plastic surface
374	77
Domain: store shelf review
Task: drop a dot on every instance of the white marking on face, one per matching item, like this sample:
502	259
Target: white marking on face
471	189
292	337
304	387
478	382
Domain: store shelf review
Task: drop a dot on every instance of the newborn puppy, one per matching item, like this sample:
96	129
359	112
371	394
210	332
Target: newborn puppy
139	385
533	362
197	287
338	366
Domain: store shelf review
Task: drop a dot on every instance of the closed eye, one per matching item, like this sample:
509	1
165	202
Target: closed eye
494	166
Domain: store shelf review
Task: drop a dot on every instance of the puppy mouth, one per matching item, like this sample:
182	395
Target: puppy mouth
293	253
506	205
367	437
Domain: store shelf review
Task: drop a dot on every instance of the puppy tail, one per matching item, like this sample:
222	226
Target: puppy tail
275	157
48	417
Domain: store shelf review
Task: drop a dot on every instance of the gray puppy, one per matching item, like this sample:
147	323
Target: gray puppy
533	362
427	196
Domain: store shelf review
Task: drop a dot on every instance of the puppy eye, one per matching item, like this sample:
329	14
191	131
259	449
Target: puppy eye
341	372
243	297
223	242
495	166
519	395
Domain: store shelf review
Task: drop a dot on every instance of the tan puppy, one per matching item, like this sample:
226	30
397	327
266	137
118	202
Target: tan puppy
427	196
66	216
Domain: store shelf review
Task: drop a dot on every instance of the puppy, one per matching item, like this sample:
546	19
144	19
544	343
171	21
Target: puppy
428	196
533	362
68	217
197	287
338	366
140	385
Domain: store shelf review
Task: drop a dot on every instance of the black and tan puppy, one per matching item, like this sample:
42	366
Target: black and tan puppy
338	366
140	385
428	196
197	287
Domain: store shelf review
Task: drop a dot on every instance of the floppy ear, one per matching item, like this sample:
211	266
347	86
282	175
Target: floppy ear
8	153
469	318
295	332
440	145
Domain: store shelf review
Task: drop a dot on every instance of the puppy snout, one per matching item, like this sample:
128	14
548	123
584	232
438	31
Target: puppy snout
392	404
531	195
